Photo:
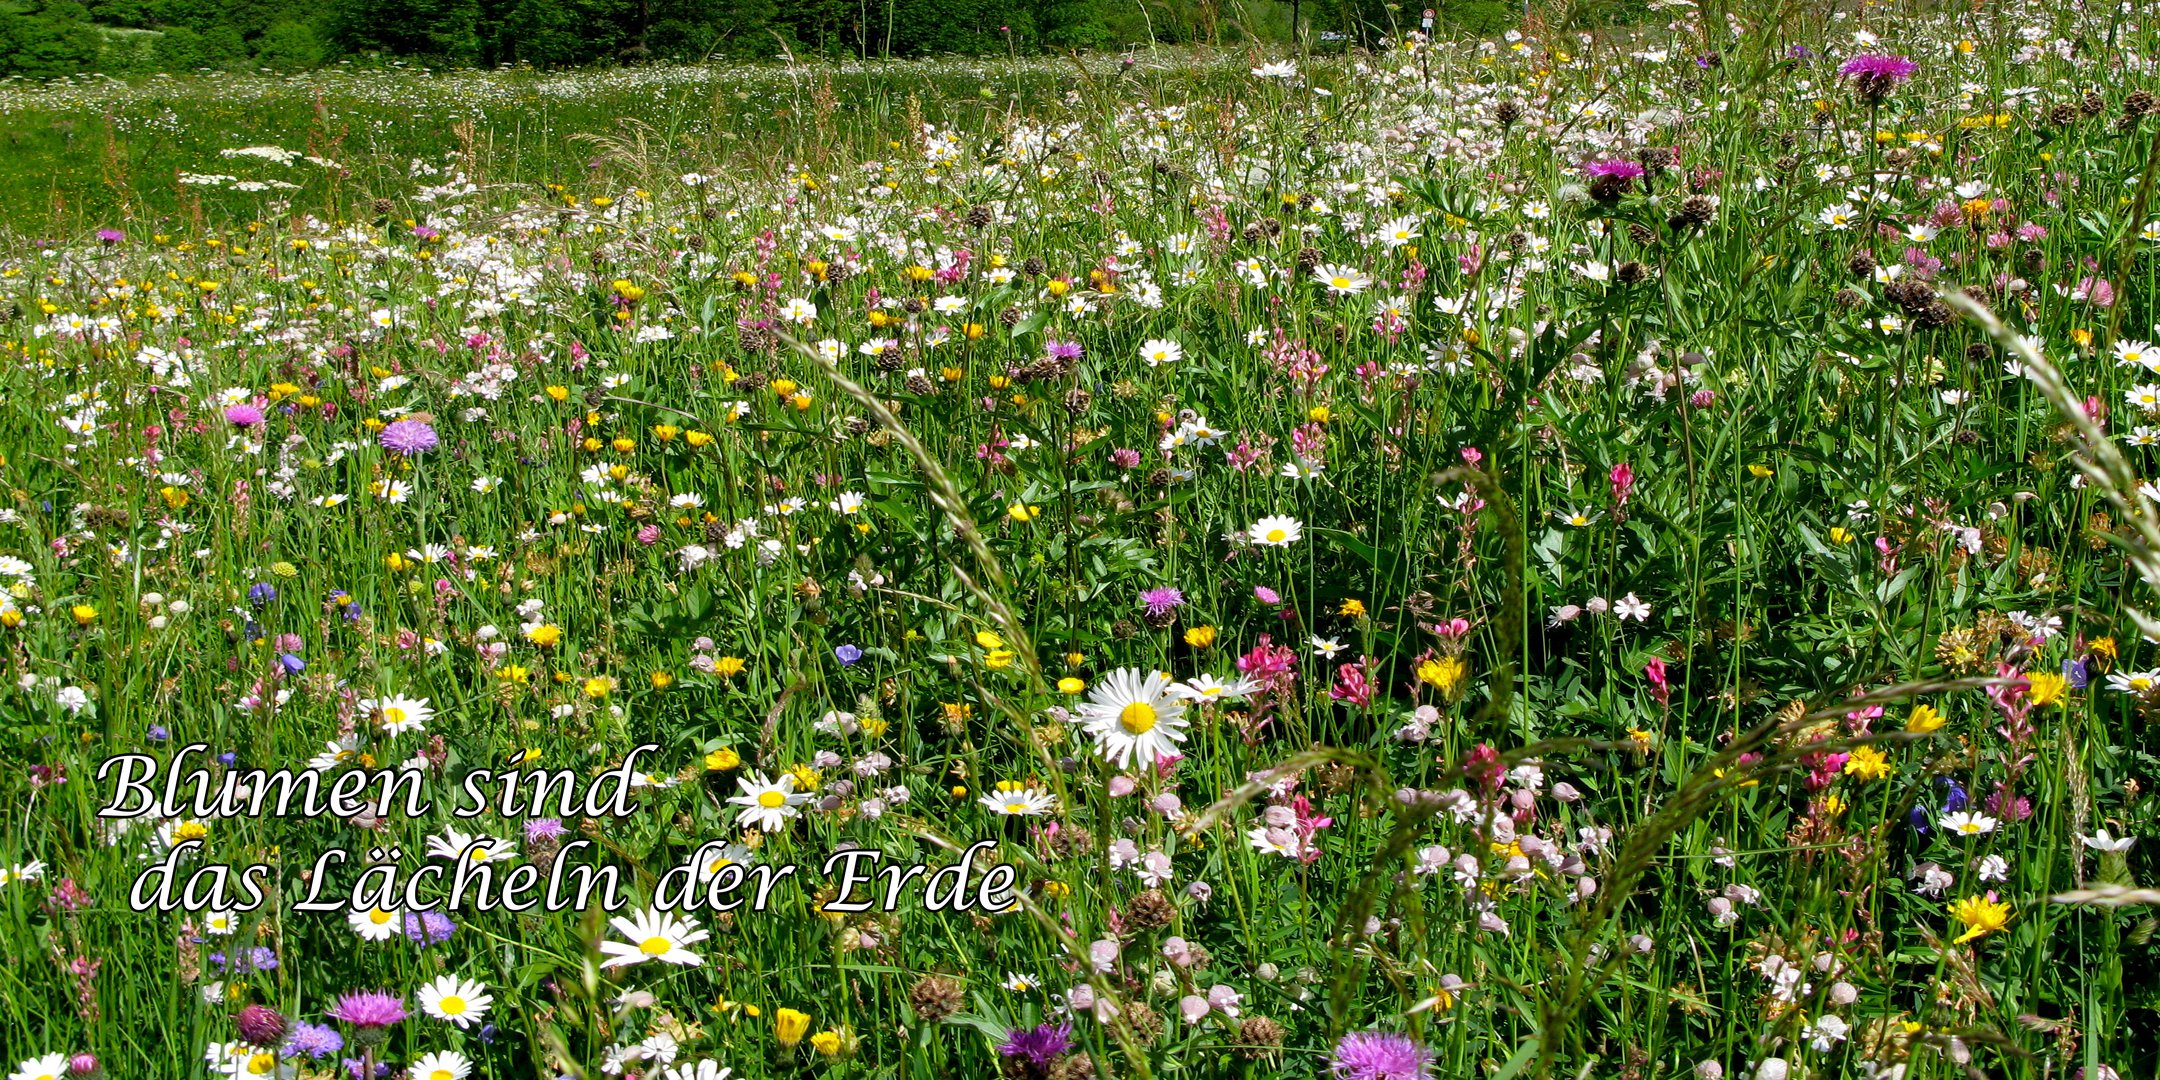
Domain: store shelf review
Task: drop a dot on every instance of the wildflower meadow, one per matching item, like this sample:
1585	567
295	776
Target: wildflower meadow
1607	552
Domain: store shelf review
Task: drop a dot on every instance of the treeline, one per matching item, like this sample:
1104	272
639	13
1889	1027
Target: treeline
44	38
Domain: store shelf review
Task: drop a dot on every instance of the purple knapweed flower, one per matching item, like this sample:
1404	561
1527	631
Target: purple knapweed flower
409	436
1622	168
1039	1045
1379	1055
243	416
1611	178
260	1025
369	1009
1162	601
1876	74
110	236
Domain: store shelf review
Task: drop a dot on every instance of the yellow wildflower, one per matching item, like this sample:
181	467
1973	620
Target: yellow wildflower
1982	915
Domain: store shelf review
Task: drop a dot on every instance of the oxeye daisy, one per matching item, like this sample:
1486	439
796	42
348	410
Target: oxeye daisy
1158	352
653	935
457	1000
398	714
1965	823
374	924
1343	280
1399	232
1277	531
1133	717
2134	682
49	1067
1210	688
707	1069
1015	799
715	857
767	804
440	1065
454	845
2138	353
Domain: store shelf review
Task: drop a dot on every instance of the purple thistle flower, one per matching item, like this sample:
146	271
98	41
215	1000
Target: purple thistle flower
1875	75
1162	601
1619	168
1379	1055
110	236
369	1009
409	436
544	828
1611	178
1065	350
243	416
260	1025
1040	1044
317	1041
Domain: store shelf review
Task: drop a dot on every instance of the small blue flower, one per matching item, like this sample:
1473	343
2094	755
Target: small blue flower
2077	674
847	655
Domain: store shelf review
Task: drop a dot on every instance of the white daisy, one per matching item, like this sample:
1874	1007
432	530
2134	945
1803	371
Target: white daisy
1277	531
478	847
1158	352
707	1069
49	1067
767	804
1343	280
440	1065
399	715
459	1001
653	935
1134	717
1015	799
374	924
1210	688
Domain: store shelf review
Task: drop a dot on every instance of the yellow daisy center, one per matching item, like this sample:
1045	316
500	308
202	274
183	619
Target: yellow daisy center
442	1074
394	714
1137	718
771	800
378	916
452	1005
656	946
1277	536
262	1064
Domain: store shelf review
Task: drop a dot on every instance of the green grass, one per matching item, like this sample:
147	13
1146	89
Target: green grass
1667	497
